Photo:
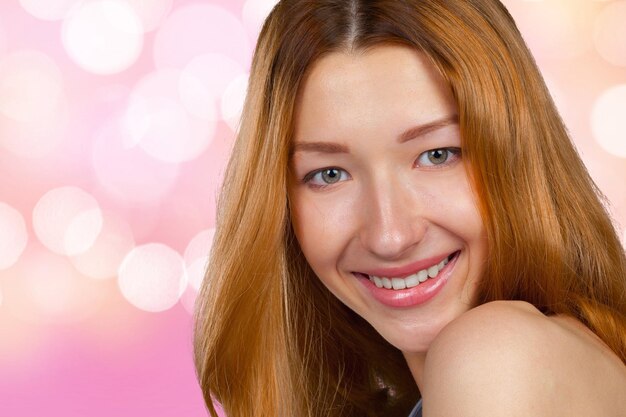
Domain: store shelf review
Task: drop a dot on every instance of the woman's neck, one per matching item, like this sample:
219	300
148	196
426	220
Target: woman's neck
416	361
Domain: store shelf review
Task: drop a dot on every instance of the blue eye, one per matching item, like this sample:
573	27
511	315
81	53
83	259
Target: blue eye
325	177
436	157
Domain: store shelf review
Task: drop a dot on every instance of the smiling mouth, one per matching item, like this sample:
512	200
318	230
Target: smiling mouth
413	280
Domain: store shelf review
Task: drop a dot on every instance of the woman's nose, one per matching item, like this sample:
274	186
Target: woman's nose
393	219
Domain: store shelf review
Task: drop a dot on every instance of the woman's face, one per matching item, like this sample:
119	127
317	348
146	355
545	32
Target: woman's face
379	194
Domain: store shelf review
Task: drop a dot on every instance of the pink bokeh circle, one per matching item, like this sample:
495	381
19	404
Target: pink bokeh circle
157	122
125	171
199	28
152	277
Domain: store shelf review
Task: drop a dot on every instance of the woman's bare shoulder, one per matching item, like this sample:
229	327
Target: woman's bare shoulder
507	358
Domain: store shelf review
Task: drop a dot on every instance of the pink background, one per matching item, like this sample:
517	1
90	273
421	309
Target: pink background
116	119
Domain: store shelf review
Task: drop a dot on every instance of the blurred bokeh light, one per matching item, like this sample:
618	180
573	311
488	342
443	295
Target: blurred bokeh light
103	37
610	33
157	121
14	235
116	120
67	220
104	257
607	120
48	10
152	277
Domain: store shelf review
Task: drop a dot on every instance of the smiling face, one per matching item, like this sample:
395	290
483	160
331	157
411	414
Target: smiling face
380	196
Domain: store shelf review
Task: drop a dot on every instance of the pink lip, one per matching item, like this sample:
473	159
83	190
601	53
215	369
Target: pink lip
411	296
405	271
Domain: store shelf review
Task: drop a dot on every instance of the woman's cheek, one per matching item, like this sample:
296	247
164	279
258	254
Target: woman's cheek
325	224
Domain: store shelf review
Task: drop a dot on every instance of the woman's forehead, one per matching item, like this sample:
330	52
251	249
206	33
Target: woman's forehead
380	88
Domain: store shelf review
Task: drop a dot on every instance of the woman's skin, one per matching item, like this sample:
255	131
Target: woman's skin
378	188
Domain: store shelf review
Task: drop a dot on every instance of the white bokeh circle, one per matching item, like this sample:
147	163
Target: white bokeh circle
31	87
203	82
103	259
67	220
158	123
152	277
254	13
196	272
151	12
233	101
188	299
554	30
34	110
197	256
125	171
199	247
14	236
199	28
103	36
607	120
609	33
48	9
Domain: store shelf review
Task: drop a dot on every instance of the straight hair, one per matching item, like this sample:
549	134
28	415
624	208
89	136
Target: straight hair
270	339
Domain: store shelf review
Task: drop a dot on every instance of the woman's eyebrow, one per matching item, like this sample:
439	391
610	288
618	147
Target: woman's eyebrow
409	134
324	147
421	130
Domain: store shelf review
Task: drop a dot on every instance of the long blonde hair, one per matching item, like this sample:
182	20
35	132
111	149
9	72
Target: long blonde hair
270	340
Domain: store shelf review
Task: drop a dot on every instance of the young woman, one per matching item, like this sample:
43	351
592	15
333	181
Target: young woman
404	218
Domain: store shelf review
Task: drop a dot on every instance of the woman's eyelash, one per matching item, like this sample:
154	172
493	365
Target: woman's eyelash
327	176
438	156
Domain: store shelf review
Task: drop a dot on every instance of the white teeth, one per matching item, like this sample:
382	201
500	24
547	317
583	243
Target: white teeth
410	281
433	271
398	283
422	275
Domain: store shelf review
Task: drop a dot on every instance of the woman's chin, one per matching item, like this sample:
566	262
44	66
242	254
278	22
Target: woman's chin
415	336
412	340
